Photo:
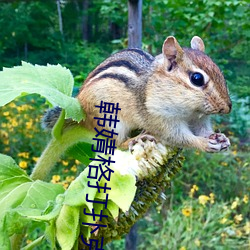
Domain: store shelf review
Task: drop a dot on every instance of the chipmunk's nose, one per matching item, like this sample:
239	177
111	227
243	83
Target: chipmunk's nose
227	108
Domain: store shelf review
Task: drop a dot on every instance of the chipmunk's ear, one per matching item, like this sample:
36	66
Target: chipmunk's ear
197	43
171	49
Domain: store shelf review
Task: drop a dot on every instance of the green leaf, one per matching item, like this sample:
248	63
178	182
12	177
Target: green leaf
87	218
6	186
9	168
67	226
39	194
4	240
122	191
75	195
11	222
50	234
28	201
14	198
53	82
14	223
20	198
81	151
45	216
113	209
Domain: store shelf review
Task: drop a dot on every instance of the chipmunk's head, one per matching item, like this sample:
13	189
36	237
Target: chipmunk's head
195	72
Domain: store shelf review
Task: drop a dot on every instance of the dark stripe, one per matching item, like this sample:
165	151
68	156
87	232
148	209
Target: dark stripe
142	53
118	63
118	77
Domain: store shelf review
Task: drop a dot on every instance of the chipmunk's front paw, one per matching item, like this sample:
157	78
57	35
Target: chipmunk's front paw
217	142
141	139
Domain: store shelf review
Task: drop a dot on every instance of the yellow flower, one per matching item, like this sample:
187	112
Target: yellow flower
225	164
24	154
65	185
238	159
23	164
6	149
193	190
35	159
247	227
65	163
187	211
211	195
4	134
183	248
223	220
238	233
55	178
235	203
77	162
70	178
23	107
203	199
6	141
197	242
14	123
73	168
245	199
238	218
29	135
6	113
29	124
223	235
234	152
12	105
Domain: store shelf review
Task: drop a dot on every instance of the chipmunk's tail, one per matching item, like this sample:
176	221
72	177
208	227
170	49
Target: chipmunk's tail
50	117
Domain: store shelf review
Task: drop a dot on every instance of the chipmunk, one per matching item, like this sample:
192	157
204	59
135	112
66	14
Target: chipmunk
169	97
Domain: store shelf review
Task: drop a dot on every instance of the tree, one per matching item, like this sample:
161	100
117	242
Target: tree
135	23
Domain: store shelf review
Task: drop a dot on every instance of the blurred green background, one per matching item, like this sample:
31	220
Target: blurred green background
207	206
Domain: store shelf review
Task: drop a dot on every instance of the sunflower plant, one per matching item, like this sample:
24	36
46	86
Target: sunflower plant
29	201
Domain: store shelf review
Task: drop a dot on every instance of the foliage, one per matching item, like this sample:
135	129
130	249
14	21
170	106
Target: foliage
82	58
223	25
19	198
232	166
52	82
24	200
199	223
207	207
19	127
238	120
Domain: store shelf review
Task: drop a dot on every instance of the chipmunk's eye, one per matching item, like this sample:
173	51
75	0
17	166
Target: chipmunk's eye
197	79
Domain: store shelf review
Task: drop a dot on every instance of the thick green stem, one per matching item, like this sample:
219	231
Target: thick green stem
56	147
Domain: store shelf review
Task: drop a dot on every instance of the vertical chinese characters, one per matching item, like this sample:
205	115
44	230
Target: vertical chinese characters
101	171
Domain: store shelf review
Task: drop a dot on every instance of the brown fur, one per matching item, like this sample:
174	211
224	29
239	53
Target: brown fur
156	95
